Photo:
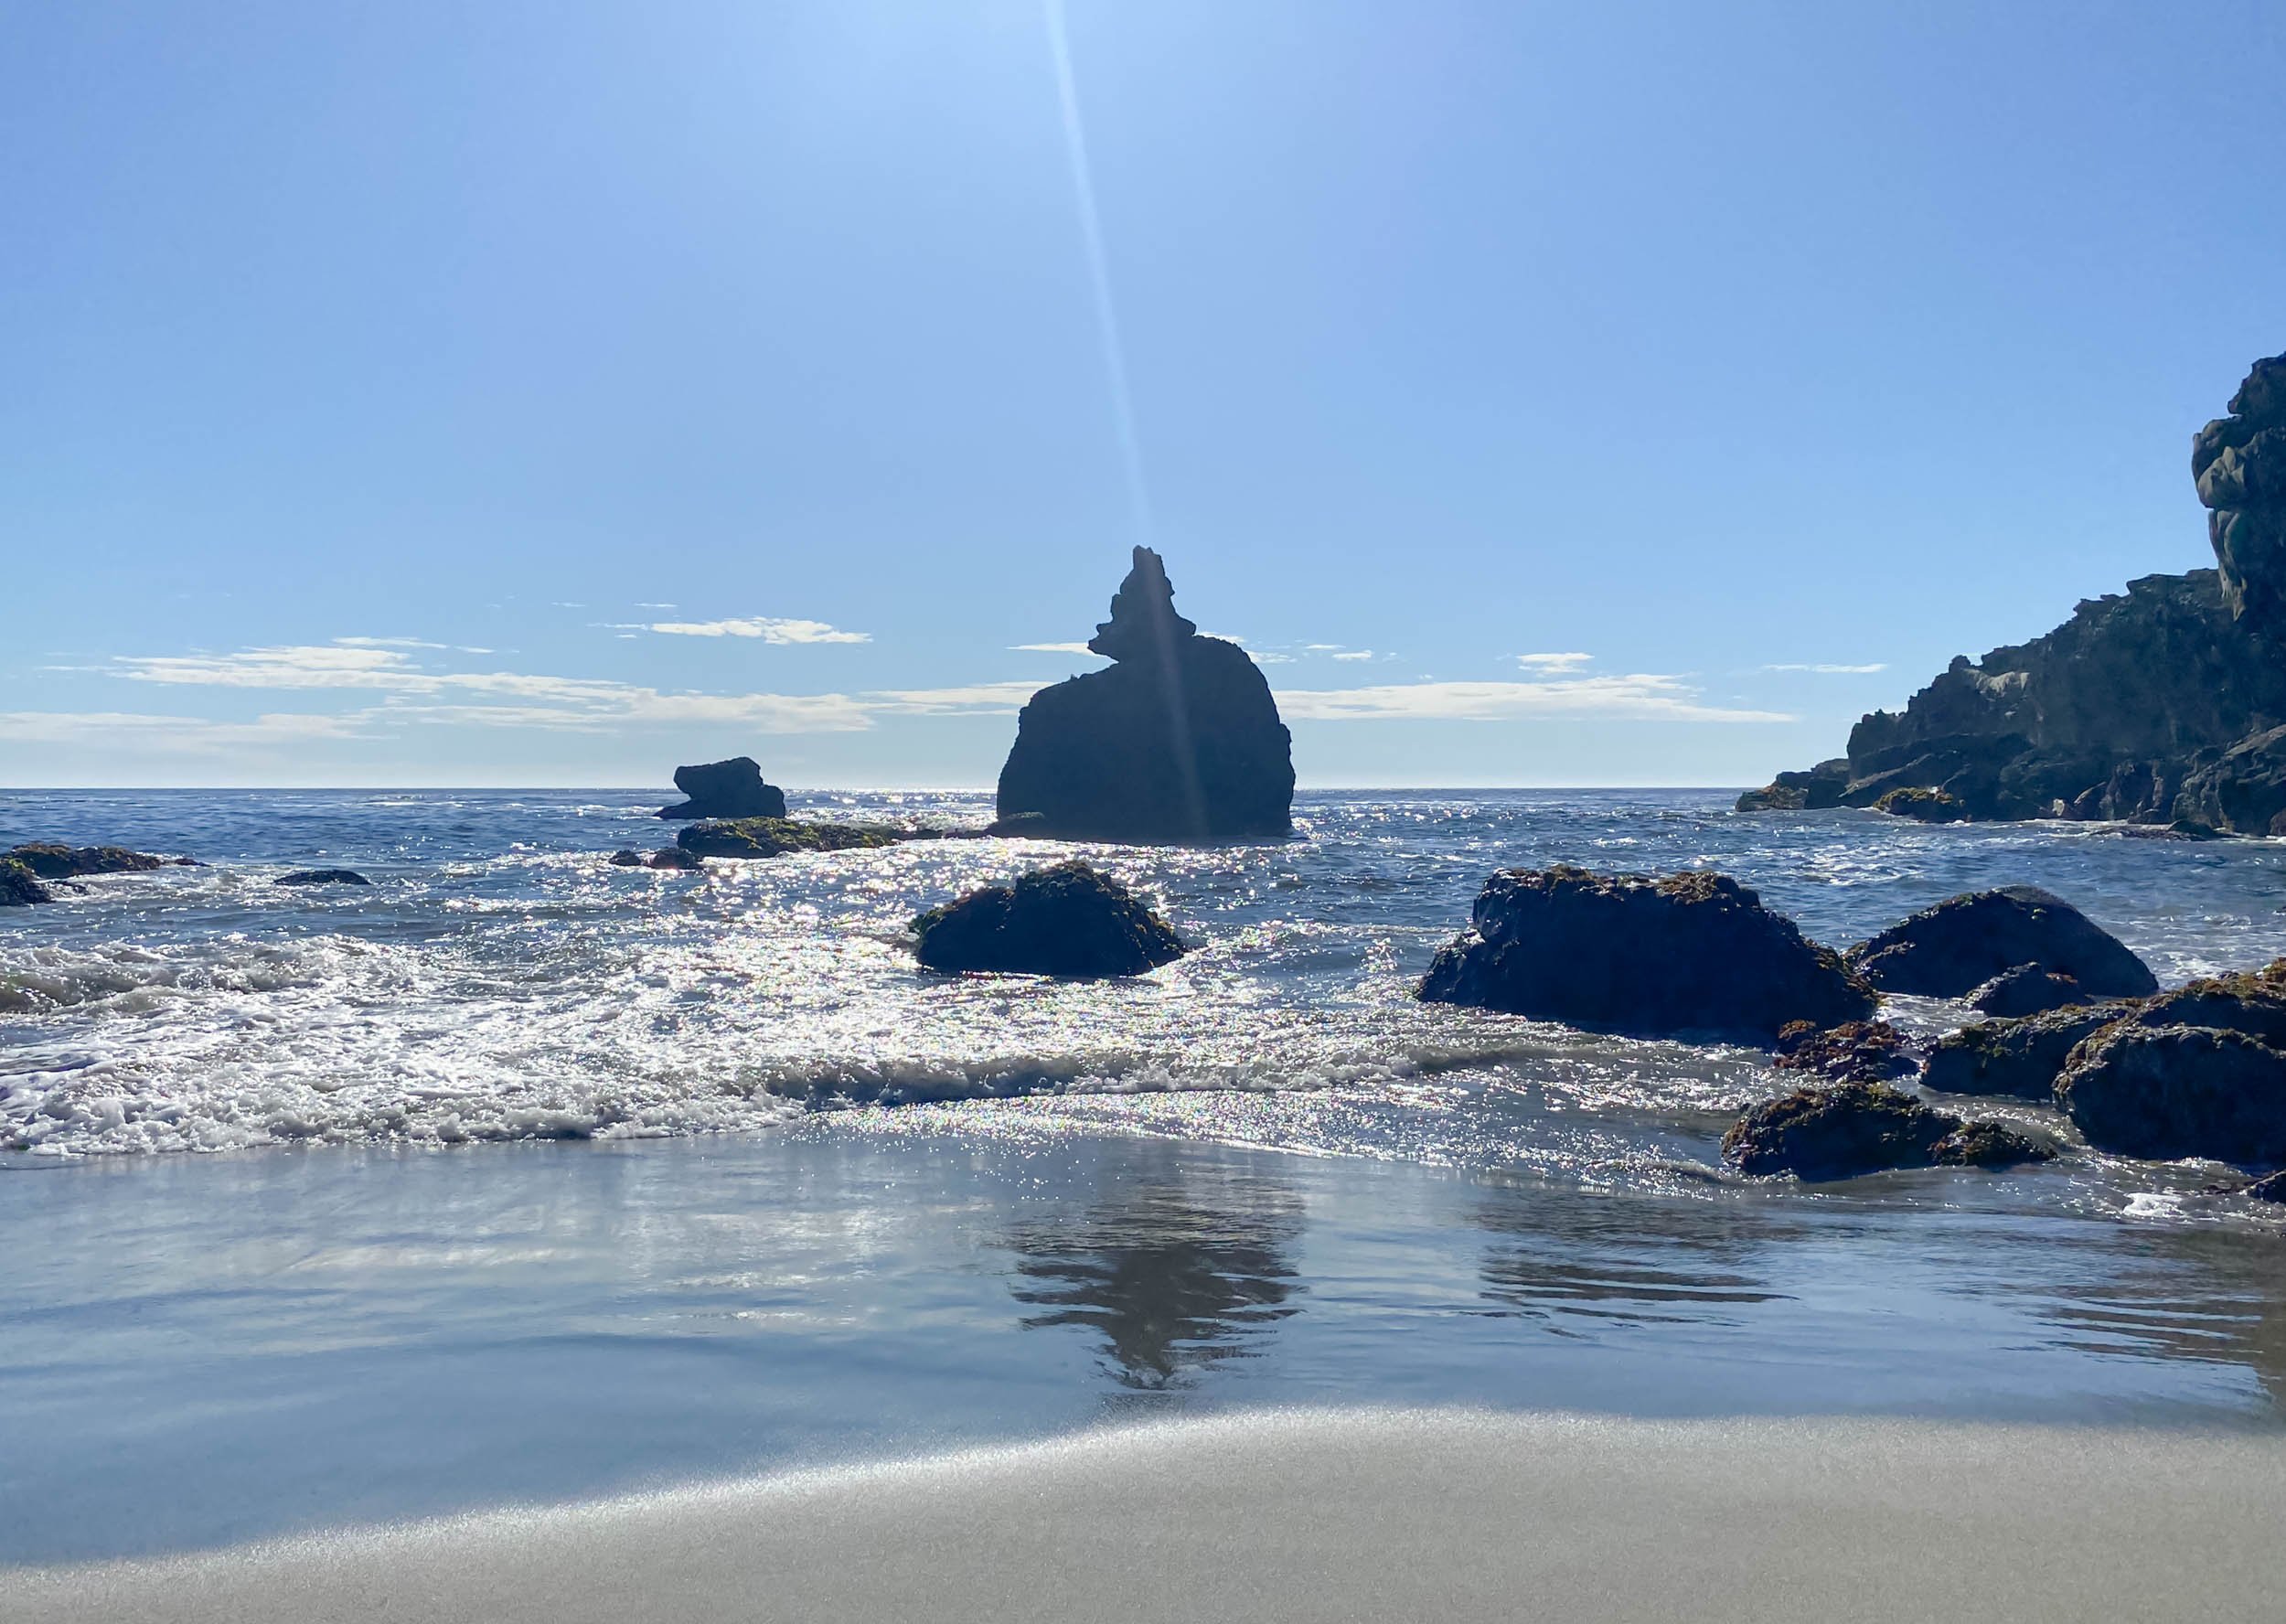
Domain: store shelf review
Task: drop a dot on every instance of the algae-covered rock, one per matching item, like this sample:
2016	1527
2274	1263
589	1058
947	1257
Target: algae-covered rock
2197	1071
1855	1051
19	887
1845	1129
1179	741
1963	942
52	860
2021	1057
732	788
1068	920
2027	989
775	836
1691	954
2182	1091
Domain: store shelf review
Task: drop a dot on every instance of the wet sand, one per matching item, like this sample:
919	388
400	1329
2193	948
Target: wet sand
1326	1515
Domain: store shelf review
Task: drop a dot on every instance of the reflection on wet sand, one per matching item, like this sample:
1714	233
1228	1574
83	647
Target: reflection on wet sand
1179	1268
2212	1296
1574	1259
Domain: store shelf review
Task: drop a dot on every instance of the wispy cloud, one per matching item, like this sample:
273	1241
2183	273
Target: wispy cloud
1636	698
186	736
1552	662
1355	654
769	628
980	699
1054	648
1834	670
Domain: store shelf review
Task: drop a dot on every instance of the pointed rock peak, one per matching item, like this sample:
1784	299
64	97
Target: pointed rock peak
1143	621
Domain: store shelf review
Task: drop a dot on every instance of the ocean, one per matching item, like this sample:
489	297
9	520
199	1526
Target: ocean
519	1179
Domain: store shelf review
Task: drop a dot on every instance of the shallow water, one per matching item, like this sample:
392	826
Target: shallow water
1262	1176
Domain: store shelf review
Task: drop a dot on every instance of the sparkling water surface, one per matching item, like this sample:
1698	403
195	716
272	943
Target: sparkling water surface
769	1194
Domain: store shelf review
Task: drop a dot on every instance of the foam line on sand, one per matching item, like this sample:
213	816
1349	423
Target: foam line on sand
1325	1515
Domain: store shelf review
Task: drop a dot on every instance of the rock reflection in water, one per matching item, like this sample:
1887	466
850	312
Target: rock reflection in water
1569	1259
2210	1295
1179	1269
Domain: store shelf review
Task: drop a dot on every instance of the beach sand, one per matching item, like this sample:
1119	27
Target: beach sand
1326	1515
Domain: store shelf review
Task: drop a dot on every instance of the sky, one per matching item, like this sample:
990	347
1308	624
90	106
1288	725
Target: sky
1545	393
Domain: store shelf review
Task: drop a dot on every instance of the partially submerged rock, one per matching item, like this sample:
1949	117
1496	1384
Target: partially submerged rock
19	887
1924	806
1694	954
1821	787
1179	740
322	877
52	860
1855	1051
732	788
2021	1057
2199	1071
665	856
1963	942
1844	1130
1068	920
2027	989
775	836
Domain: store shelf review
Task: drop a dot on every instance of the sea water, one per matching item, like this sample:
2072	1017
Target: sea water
516	1177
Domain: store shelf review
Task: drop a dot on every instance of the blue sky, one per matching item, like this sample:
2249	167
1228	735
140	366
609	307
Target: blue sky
1549	394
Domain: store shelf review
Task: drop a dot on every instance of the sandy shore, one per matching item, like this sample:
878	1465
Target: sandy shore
1326	1516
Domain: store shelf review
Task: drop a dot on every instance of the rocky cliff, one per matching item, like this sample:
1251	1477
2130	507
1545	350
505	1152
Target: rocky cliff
1179	740
2162	704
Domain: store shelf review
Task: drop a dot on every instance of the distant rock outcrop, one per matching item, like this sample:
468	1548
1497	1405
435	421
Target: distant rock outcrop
1068	920
1958	946
2165	704
51	860
1179	740
775	837
1692	954
731	788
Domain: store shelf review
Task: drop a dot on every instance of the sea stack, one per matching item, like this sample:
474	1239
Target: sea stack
1178	740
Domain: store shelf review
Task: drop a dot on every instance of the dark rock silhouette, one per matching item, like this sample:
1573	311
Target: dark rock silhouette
1963	942
731	788
1179	741
1924	806
665	856
1855	1051
2023	1056
1847	1128
322	877
52	860
2199	1071
2027	989
2239	464
19	887
1068	920
775	836
1691	954
2158	706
